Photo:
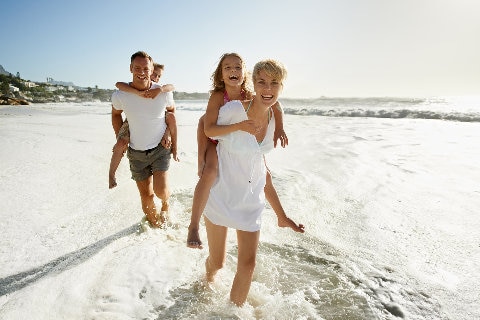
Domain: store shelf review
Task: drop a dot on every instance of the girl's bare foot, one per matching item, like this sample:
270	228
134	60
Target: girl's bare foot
193	239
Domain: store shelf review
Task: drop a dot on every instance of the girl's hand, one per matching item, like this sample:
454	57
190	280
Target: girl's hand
249	126
280	135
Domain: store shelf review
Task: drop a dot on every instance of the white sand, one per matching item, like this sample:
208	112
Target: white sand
392	202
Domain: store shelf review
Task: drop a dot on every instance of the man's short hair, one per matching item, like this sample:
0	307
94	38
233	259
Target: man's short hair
142	54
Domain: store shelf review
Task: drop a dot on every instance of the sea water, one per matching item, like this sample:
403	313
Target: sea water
388	189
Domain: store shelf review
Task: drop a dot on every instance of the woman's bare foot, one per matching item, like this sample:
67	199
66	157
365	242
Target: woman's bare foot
193	238
209	275
286	222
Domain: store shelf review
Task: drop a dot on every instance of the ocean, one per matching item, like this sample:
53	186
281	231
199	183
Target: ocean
388	189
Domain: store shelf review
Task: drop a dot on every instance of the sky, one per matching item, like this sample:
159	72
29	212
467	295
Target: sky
333	48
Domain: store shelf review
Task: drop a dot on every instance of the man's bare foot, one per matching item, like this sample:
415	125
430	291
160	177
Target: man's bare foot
112	182
165	206
156	222
193	239
286	222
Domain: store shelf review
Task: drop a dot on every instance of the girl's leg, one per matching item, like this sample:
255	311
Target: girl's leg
118	151
247	253
202	145
217	243
200	195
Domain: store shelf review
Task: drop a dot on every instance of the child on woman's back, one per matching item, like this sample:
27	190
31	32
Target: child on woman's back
170	138
229	83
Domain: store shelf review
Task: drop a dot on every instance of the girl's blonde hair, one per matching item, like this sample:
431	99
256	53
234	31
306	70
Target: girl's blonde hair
273	68
217	76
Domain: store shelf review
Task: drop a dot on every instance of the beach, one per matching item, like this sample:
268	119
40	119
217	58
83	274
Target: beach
388	190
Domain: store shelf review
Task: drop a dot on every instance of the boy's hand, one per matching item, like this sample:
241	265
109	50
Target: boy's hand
152	93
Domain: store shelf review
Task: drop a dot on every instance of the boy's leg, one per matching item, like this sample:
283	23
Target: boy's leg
118	151
172	125
247	253
200	195
217	244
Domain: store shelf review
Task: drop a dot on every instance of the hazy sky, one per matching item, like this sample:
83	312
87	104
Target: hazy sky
331	48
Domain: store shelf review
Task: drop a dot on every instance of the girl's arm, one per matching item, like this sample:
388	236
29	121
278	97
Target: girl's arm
212	129
279	132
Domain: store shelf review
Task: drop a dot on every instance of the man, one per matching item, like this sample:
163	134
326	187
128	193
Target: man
149	160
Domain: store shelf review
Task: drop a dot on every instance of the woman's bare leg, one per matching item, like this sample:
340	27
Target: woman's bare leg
247	253
217	243
200	195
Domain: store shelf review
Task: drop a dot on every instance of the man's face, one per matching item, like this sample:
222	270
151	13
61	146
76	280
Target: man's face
156	74
141	69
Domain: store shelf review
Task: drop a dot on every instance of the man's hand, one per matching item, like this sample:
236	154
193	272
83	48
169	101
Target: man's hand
166	139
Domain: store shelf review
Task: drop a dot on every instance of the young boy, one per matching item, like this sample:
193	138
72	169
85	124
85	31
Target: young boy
169	140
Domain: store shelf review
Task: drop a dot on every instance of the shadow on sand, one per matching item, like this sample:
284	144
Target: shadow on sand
20	280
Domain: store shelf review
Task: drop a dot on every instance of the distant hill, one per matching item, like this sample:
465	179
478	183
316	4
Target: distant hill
3	71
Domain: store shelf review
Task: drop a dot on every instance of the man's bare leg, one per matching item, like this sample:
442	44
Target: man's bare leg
145	187
160	187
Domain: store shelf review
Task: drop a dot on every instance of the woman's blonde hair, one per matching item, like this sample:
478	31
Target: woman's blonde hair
273	68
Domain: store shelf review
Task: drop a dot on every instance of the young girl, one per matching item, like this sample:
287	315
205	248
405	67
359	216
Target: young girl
124	135
229	83
236	200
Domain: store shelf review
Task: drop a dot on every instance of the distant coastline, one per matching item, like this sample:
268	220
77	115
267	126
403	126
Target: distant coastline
17	91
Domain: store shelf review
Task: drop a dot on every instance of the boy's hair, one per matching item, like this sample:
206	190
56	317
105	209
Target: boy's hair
159	66
273	68
142	54
217	77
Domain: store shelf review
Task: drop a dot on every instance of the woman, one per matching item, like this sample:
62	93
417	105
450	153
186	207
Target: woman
237	198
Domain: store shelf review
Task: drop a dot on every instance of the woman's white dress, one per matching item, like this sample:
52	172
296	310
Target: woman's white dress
237	198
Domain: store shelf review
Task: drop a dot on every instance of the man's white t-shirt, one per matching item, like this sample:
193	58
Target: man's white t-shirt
146	117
